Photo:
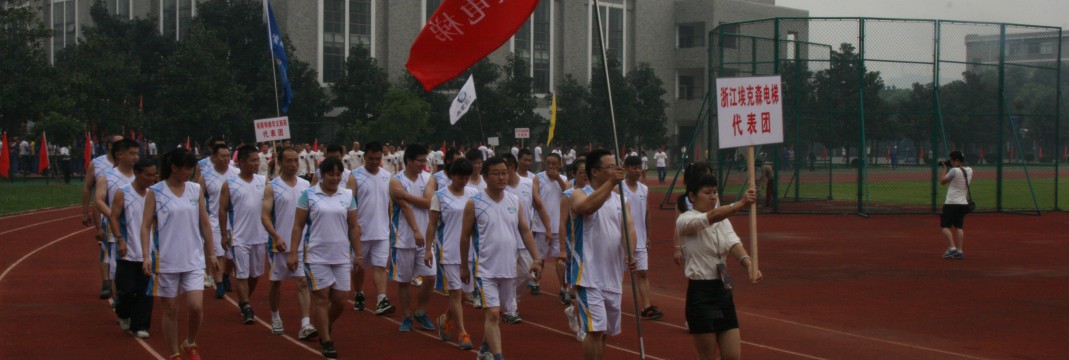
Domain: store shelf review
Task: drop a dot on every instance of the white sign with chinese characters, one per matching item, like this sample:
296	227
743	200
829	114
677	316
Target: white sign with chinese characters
749	111
523	133
272	129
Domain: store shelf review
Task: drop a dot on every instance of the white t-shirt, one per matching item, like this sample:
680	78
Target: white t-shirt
481	185
373	197
133	212
152	148
568	159
438	157
388	163
957	189
599	249
538	154
551	193
450	208
486	152
660	159
176	243
326	239
403	238
246	206
645	162
707	247
304	163
284	208
265	159
495	241
637	207
356	159
213	182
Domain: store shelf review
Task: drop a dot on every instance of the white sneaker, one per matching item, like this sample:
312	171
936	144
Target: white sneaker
573	323
276	327
580	336
307	332
208	281
124	324
142	334
476	301
418	281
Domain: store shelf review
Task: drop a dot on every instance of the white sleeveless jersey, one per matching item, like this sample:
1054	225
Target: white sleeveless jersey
481	186
204	164
176	246
637	207
213	182
401	235
442	180
100	165
114	180
285	207
524	190
495	235
450	210
246	206
551	193
133	210
373	199
599	251
326	238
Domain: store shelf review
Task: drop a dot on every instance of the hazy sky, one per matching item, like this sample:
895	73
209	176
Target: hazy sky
1032	12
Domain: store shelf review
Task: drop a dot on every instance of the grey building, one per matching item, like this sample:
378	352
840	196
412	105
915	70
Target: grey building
558	39
1024	48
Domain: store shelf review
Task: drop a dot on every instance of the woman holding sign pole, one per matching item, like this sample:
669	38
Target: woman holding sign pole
705	241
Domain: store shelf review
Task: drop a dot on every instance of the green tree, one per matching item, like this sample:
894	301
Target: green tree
518	103
573	113
838	94
361	91
28	82
98	78
61	129
624	103
403	115
646	129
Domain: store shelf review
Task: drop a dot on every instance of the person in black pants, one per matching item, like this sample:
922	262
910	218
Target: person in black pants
134	307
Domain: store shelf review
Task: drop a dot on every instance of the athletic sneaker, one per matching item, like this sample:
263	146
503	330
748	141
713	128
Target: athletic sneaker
124	324
307	332
476	301
651	313
443	328
424	322
465	342
406	324
535	289
580	336
247	316
417	282
573	323
959	255
327	349
358	302
142	334
384	307
485	356
484	349
949	254
220	291
276	327
513	318
564	300
208	281
105	289
191	350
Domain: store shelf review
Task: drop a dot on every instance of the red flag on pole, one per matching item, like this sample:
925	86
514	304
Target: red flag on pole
315	145
1040	155
187	144
42	156
87	154
5	159
140	103
460	33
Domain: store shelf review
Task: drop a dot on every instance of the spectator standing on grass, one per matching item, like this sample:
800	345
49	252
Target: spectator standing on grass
65	163
705	241
958	177
661	160
25	151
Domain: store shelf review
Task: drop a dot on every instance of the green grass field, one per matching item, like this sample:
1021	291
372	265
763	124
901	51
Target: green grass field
16	196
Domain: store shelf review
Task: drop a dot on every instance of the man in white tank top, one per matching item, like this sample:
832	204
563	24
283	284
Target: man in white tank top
243	195
532	205
637	193
279	209
411	191
551	186
495	218
370	185
211	182
600	251
92	217
125	153
134	306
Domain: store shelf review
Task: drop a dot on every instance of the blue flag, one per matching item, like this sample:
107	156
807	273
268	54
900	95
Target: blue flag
279	53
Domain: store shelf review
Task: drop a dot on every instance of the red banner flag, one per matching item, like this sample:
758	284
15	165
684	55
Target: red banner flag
460	33
315	145
187	144
5	158
87	154
42	156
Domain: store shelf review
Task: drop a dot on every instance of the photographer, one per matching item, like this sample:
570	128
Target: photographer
952	221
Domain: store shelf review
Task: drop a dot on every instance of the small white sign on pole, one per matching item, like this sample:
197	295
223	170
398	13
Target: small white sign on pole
749	111
523	133
272	129
493	141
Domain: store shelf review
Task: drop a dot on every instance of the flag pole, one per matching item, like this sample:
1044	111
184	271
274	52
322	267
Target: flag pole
616	145
270	46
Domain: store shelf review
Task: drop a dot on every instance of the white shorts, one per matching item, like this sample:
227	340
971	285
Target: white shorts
322	276
496	291
548	250
249	260
642	260
109	255
217	242
448	278
599	310
375	253
523	267
407	264
169	285
280	272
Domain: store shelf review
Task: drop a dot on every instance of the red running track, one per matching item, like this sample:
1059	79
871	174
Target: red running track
836	287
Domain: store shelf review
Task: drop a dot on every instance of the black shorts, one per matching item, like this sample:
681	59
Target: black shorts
953	216
710	307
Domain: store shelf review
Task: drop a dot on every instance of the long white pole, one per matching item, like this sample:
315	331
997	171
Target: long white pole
619	155
270	49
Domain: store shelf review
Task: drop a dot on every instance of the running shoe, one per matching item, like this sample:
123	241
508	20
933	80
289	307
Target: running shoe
949	254
573	323
465	342
580	336
105	289
424	322
124	324
276	327
220	291
247	316
327	349
476	301
513	318
651	313
307	332
358	302
142	334
384	307
208	281
564	297
443	328
535	289
191	350
406	324
958	255
417	282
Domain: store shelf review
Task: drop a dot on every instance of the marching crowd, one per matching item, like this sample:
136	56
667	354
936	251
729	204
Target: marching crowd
478	226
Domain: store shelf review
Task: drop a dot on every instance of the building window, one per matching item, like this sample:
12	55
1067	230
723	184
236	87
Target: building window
792	45
360	23
1014	49
333	40
1047	48
345	25
613	21
120	8
690	35
532	44
64	25
176	16
729	38
686	87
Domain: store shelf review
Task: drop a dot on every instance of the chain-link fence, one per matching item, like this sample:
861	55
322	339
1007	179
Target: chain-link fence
872	105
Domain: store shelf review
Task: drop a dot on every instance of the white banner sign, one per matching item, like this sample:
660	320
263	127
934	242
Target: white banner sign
523	133
749	111
493	141
272	129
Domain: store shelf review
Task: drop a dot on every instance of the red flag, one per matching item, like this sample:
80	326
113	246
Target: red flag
981	153
1040	157
5	159
443	146
87	154
140	103
460	33
42	156
187	144
315	145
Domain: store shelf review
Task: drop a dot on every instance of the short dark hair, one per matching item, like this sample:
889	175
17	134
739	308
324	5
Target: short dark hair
553	155
693	186
523	152
372	146
412	151
178	157
245	150
216	140
473	154
449	156
331	164
461	167
493	160
284	149
593	160
143	164
957	155
123	145
509	159
334	148
632	161
217	147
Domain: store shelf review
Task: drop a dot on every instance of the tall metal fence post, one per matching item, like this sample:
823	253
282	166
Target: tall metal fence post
862	155
1001	114
936	114
776	70
1057	119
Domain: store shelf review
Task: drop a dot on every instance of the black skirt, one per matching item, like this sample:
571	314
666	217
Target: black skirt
710	307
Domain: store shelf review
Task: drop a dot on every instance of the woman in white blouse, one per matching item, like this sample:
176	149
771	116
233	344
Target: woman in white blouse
705	241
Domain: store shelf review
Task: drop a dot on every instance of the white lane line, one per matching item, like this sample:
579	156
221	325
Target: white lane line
37	211
43	222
